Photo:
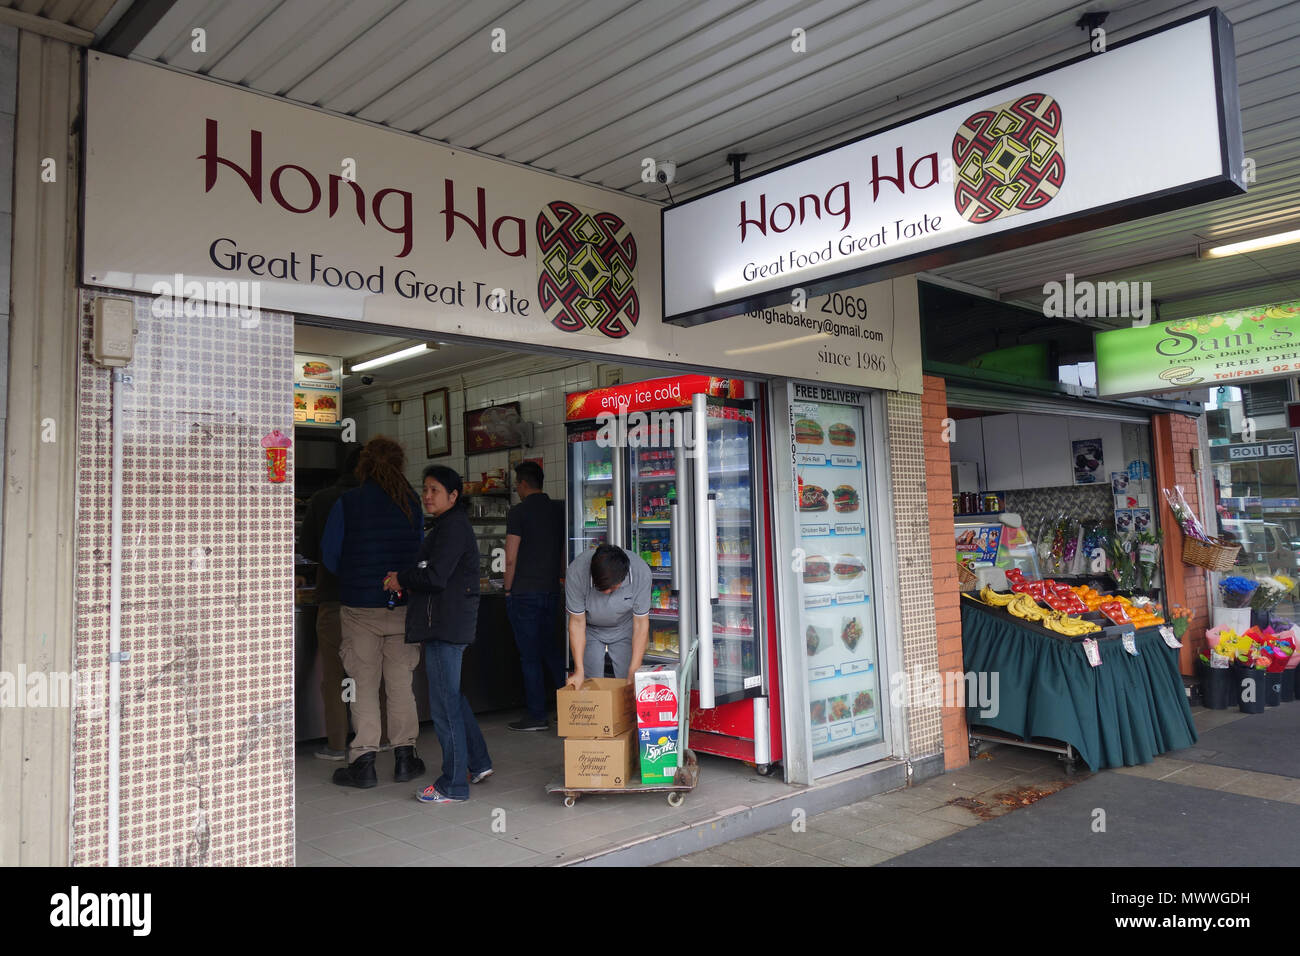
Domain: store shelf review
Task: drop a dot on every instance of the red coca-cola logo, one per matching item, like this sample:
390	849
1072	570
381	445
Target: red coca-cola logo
656	694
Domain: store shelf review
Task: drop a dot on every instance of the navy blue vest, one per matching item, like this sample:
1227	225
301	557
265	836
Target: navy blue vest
377	538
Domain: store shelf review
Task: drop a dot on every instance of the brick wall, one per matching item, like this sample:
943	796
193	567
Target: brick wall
1183	439
943	552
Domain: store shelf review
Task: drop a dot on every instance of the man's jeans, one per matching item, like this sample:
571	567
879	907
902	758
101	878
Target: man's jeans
532	618
463	749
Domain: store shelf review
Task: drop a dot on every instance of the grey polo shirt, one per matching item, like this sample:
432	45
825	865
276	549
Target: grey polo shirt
609	616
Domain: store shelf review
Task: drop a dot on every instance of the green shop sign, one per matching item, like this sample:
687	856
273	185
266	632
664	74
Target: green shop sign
1224	348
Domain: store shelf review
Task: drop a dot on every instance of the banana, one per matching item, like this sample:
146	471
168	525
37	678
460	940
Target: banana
990	596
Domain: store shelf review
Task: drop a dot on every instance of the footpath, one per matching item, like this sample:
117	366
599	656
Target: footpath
1017	807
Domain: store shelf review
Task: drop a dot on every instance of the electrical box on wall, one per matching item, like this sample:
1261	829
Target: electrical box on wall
113	342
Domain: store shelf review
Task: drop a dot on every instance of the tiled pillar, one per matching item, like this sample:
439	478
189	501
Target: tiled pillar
207	596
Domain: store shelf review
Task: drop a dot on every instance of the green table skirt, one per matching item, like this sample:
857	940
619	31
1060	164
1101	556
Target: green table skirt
1122	713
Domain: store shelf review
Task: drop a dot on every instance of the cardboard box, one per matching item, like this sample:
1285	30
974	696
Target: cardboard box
601	764
603	708
656	696
657	747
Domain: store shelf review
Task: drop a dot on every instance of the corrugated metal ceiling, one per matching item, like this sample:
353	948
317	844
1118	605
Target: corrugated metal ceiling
588	88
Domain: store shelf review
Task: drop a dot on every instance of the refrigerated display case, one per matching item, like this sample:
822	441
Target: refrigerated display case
693	510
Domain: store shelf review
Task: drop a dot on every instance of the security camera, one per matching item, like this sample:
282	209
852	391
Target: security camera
367	380
666	172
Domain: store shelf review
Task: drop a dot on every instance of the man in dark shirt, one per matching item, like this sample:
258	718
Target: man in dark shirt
329	635
534	563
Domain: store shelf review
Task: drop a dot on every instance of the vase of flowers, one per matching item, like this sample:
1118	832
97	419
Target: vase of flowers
1233	608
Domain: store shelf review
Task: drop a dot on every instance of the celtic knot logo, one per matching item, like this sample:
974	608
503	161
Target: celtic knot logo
586	271
1010	158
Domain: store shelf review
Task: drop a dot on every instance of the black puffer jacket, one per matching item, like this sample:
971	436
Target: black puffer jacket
443	601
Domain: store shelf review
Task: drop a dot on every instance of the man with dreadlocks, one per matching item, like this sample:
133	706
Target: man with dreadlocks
374	527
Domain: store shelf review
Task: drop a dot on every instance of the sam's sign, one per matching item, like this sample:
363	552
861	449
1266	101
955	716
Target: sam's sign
1206	351
1151	124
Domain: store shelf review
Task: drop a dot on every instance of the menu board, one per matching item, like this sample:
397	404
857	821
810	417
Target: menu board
837	618
317	389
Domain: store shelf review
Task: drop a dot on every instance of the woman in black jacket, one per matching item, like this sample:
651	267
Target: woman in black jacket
442	614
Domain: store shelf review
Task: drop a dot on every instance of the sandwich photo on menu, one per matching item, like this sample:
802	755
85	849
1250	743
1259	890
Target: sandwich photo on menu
317	370
816	569
846	498
842	434
808	432
848	567
813	498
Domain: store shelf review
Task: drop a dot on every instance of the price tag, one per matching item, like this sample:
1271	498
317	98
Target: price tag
821	673
816	530
807	458
1167	633
848	529
820	600
850	597
855	667
1218	661
1092	651
849	461
1130	642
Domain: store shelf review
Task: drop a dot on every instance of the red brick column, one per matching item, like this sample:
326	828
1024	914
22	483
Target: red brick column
1175	438
943	551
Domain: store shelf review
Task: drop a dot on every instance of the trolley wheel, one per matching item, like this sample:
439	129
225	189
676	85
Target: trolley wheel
764	769
676	799
570	801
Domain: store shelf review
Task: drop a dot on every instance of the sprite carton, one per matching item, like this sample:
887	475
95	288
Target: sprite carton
658	747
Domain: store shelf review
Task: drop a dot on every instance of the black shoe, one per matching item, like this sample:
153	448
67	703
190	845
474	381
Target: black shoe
529	724
407	765
360	773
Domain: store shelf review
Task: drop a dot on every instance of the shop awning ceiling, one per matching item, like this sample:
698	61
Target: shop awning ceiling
588	88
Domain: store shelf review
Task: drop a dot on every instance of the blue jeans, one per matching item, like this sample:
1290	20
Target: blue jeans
532	618
463	749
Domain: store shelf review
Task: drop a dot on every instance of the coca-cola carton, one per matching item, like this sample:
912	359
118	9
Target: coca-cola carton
656	696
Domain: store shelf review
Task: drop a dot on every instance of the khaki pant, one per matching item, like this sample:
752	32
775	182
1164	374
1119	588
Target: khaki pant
374	648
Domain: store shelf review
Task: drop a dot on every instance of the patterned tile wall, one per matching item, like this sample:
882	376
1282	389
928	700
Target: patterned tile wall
207	608
916	588
1081	502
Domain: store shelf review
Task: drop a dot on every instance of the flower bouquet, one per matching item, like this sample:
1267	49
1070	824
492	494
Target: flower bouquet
1179	618
1183	514
1236	591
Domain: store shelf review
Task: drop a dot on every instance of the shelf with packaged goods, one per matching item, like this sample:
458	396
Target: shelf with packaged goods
590	479
661	574
656	475
653	523
736	600
736	560
664	614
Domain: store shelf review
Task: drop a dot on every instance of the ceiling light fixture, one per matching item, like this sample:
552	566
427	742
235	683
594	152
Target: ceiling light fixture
1218	251
388	357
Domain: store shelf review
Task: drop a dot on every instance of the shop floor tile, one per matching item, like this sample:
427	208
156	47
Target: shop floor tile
1265	743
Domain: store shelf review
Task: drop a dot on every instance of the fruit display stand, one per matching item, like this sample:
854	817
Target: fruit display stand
1123	712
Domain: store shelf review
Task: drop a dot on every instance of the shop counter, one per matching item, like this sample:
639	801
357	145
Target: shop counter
1122	713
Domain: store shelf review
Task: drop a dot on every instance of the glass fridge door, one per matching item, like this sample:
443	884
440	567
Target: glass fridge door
591	490
653	497
836	613
728	511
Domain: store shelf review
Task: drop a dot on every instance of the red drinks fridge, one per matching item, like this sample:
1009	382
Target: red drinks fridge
694	511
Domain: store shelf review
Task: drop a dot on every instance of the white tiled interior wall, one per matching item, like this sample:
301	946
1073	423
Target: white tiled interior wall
540	387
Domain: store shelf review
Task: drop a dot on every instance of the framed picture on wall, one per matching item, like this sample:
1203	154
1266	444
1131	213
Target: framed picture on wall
437	435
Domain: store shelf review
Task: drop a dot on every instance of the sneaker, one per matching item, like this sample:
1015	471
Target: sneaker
529	724
430	794
325	752
480	776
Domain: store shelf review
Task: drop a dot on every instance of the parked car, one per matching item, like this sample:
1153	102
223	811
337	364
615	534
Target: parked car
1265	546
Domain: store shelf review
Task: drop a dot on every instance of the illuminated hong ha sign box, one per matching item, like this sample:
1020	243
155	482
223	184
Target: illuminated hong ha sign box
1149	125
1224	348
